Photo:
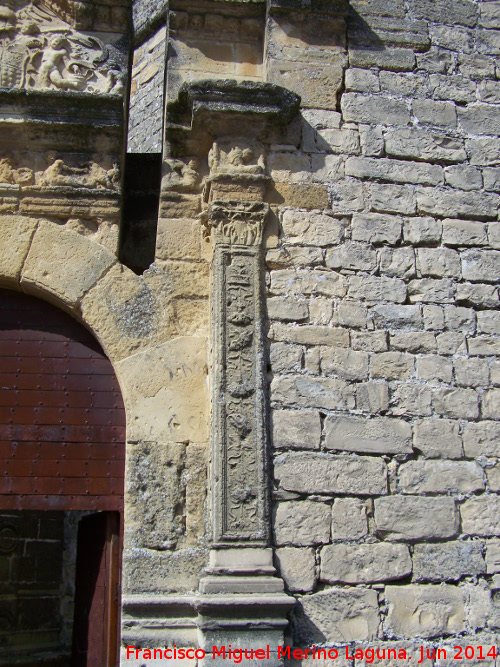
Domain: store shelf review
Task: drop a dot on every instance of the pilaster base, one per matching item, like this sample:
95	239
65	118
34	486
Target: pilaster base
242	606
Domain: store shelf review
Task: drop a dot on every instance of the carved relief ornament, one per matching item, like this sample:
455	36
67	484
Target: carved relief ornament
40	52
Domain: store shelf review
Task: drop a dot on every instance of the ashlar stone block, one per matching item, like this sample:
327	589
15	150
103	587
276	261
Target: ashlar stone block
383	435
302	523
481	516
349	520
424	611
441	477
482	439
326	474
364	563
338	615
297	567
438	438
296	429
415	518
449	561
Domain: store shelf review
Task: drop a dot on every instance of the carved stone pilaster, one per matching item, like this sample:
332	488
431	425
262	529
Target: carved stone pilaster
239	487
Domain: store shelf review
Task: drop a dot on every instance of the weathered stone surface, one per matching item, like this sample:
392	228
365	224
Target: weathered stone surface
344	363
302	281
415	518
316	83
287	309
311	228
151	571
302	523
423	145
372	397
125	311
326	393
364	563
293	256
456	203
352	314
438	438
296	429
441	477
490	404
346	196
438	262
459	318
349	520
481	516
391	316
382	435
369	341
388	58
178	238
493	477
338	615
432	112
16	233
422	230
155	495
309	335
324	473
376	228
390	198
286	358
343	141
487	345
433	317
479	118
481	265
64	263
482	439
434	368
492	556
471	372
463	12
165	391
453	87
297	567
391	366
448	561
372	140
374	288
299	195
430	290
399	171
477	295
397	262
411	400
484	150
451	343
362	80
456	403
353	256
374	109
414	341
463	177
407	84
424	611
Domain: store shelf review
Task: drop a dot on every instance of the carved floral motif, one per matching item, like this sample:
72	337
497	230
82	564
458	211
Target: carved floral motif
239	437
38	51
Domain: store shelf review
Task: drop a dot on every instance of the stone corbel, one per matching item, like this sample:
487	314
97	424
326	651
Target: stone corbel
242	600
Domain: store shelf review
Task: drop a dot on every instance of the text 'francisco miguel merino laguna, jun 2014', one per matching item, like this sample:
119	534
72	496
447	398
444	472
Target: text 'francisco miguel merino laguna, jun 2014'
369	655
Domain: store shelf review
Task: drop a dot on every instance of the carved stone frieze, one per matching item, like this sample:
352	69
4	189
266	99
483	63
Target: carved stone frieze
238	222
239	491
40	52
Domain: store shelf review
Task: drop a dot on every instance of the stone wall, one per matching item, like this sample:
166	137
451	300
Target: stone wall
384	336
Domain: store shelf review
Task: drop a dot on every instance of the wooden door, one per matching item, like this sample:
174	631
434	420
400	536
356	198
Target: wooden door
95	638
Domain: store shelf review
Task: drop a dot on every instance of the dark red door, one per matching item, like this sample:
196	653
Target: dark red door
62	448
96	596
